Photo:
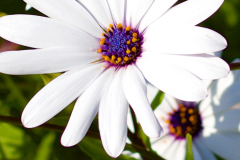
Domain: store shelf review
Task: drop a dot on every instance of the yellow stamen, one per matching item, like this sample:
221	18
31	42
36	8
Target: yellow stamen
168	121
113	57
134	40
102	42
128	28
128	42
183	109
100	50
111	25
119	25
128	51
106	58
119	59
182	114
103	34
126	58
191	118
135	35
108	30
172	130
134	49
183	120
103	39
190	111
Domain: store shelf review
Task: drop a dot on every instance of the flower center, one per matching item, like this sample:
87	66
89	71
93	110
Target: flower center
185	120
120	46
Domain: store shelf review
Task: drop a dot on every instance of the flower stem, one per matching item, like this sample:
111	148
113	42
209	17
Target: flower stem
136	144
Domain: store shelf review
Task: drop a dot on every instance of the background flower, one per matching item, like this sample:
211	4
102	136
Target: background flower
219	120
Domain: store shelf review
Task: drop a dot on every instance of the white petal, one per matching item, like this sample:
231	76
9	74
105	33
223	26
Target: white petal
136	10
196	154
171	152
163	144
187	40
100	10
205	153
118	10
157	9
49	60
228	121
85	110
179	152
173	80
42	32
223	95
225	145
189	13
113	117
68	11
58	94
203	66
151	92
135	90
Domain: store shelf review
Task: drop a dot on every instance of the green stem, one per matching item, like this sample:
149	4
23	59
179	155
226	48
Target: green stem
141	149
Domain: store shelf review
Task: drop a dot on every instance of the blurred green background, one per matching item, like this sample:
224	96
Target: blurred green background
19	143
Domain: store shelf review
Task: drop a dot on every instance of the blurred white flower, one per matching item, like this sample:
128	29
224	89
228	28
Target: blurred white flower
214	125
146	39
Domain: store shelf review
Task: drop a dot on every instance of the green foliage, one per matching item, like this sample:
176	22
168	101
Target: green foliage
189	153
157	100
16	7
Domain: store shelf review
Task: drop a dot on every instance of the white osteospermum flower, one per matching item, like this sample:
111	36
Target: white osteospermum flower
145	37
215	125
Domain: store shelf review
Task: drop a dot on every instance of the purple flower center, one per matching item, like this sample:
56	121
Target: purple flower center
185	120
120	46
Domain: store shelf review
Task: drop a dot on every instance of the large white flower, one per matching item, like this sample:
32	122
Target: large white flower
145	37
215	125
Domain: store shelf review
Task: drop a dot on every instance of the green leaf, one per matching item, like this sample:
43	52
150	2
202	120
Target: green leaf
11	138
157	100
44	150
189	153
94	148
49	77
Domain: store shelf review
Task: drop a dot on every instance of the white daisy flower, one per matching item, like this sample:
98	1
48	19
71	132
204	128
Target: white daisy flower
144	37
214	125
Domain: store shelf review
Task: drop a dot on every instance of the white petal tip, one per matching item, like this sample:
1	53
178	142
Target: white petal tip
67	143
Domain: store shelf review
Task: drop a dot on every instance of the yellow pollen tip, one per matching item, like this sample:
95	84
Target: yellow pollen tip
128	28
119	59
126	58
128	42
190	111
119	25
111	25
182	115
113	57
103	34
135	35
103	39
191	118
106	58
99	50
183	109
168	121
134	49
108	30
102	42
183	120
134	40
128	51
